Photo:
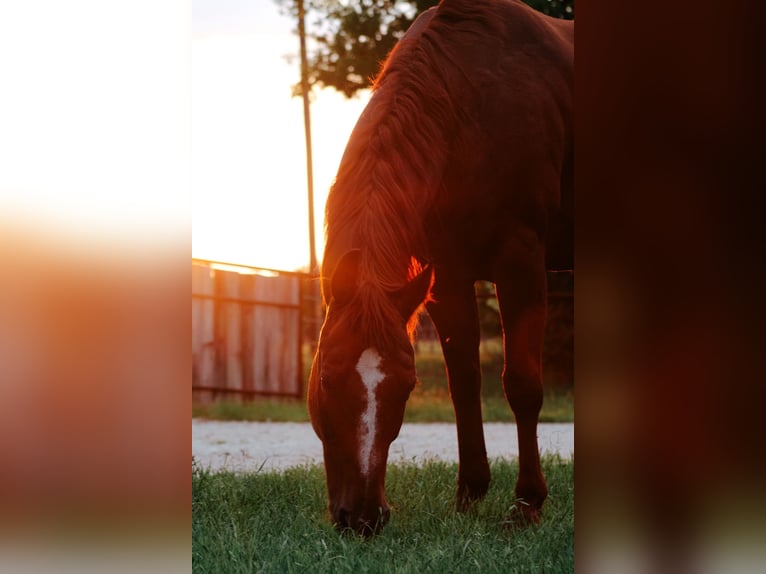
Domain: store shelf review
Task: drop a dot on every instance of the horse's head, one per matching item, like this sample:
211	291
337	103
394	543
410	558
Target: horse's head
358	388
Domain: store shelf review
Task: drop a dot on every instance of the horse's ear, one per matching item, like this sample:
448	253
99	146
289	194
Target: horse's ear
345	278
412	295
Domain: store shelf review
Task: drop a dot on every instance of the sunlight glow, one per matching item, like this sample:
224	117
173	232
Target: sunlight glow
248	151
243	270
92	119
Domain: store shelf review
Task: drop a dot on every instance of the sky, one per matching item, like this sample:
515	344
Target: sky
248	177
94	122
128	124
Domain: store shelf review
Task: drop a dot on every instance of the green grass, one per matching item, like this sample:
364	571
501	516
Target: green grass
429	402
262	410
277	522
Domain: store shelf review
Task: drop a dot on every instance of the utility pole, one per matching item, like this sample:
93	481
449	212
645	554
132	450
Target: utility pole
313	268
314	315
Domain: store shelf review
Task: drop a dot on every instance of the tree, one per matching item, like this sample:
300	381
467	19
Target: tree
350	39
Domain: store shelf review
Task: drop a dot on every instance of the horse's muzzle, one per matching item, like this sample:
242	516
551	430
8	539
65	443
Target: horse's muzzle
366	526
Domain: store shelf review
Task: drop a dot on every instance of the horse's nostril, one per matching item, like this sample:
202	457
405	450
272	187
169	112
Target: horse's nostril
364	526
367	530
342	518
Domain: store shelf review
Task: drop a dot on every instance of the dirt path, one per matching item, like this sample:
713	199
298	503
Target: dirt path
247	446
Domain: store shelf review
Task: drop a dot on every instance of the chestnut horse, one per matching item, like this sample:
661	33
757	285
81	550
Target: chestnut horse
459	169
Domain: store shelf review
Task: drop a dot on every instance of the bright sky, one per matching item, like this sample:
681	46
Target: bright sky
94	122
102	135
249	191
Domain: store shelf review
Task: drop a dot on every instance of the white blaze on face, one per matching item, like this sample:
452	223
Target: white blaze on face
371	375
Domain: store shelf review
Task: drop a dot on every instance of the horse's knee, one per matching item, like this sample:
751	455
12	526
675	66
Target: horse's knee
523	388
464	378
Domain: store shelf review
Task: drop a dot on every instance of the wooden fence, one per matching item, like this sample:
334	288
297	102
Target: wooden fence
248	326
246	332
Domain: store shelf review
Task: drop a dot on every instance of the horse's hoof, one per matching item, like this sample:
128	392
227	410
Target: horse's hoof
464	503
521	516
467	499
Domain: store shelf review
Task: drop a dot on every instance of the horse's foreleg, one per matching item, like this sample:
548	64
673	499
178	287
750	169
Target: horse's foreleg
523	313
456	318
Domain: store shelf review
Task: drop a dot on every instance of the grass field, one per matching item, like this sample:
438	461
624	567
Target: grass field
429	402
277	522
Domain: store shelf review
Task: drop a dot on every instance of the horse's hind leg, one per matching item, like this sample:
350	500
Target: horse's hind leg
456	318
522	303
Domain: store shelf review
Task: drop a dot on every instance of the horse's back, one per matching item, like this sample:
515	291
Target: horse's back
510	174
464	146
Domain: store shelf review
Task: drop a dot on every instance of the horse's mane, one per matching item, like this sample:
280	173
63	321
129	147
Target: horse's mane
394	161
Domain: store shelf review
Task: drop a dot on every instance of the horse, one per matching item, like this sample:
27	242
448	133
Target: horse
459	169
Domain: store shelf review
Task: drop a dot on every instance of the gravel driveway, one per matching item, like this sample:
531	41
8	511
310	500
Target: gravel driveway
249	446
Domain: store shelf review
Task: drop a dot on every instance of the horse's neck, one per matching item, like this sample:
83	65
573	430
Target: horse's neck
378	265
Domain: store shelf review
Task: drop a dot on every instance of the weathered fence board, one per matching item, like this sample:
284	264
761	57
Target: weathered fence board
203	326
246	332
